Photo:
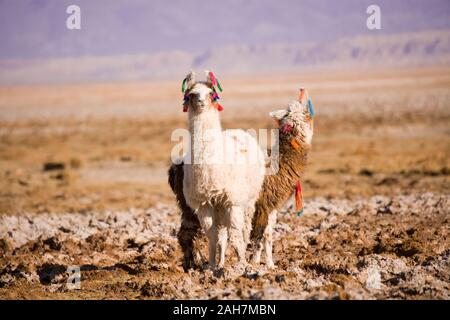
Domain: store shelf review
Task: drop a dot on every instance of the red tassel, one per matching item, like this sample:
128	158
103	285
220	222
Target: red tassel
219	107
185	108
287	128
298	199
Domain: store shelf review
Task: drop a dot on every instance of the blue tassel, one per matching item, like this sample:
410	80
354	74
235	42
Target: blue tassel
310	108
299	214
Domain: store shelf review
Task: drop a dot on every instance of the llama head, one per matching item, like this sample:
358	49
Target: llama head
200	96
296	122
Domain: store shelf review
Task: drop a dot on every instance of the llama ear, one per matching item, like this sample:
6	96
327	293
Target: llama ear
278	114
303	96
212	81
188	82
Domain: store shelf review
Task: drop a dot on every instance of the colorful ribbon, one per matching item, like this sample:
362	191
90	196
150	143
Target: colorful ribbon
310	108
298	199
183	85
214	81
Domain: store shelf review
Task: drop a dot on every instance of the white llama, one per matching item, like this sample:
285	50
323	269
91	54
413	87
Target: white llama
223	172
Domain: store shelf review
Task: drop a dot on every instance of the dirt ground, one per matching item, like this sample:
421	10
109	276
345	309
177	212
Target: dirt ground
84	184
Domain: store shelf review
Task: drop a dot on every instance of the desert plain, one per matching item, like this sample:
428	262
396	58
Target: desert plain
83	183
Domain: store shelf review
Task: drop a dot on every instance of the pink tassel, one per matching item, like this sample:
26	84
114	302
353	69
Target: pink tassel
213	78
286	128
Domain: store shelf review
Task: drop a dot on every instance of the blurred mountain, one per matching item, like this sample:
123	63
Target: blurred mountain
430	48
139	39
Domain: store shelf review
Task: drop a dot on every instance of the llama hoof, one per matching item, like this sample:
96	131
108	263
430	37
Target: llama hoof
219	272
221	264
190	262
198	260
255	261
211	267
241	267
251	270
188	265
255	264
205	266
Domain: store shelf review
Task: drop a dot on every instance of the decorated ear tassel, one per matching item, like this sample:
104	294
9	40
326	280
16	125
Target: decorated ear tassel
298	199
215	96
310	108
218	106
286	128
295	144
183	85
218	85
214	81
185	103
213	78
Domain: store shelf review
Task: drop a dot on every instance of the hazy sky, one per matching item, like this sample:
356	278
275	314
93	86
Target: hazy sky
37	28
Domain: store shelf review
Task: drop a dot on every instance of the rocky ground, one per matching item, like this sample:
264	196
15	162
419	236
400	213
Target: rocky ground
381	247
83	182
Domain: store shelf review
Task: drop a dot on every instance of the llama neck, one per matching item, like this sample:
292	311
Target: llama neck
206	135
292	161
204	121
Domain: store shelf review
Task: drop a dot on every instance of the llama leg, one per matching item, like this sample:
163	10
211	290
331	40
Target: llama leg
236	232
189	232
205	216
186	240
212	239
222	241
268	239
222	234
247	228
257	250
